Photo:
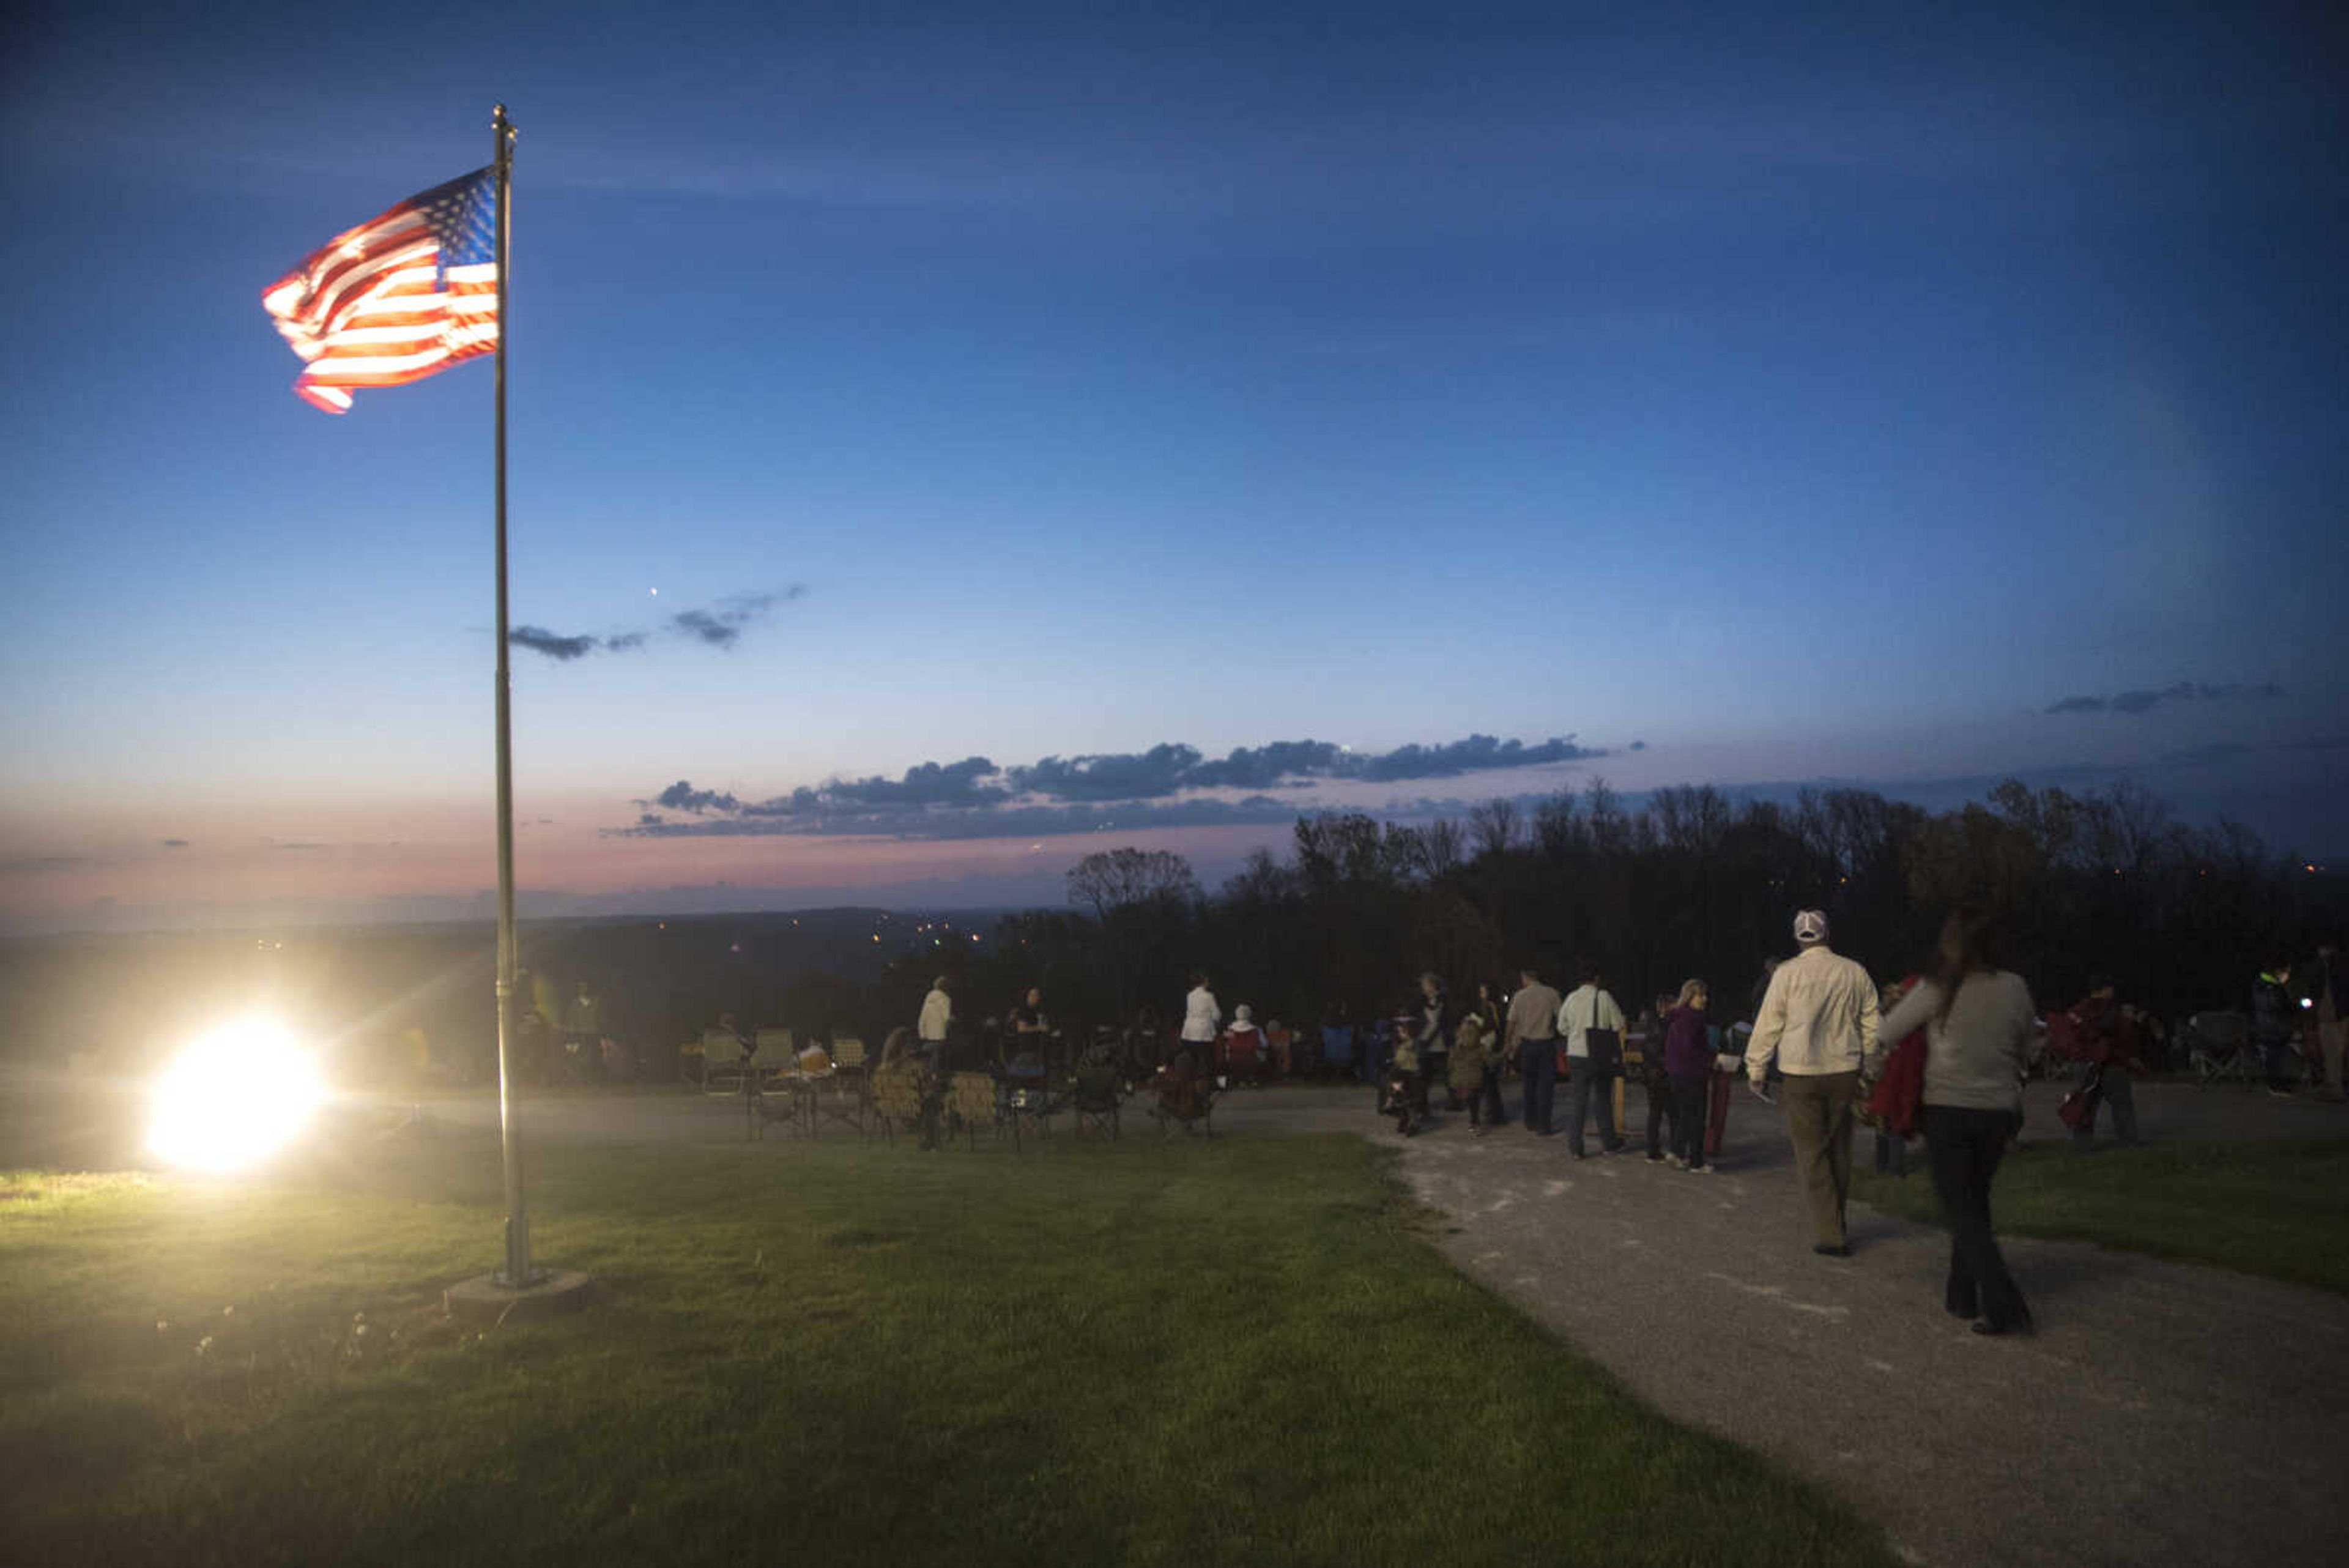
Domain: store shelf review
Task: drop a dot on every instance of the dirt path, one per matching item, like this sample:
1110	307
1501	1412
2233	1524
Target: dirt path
2164	1412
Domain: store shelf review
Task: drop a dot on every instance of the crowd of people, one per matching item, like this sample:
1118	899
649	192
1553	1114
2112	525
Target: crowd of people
1939	1057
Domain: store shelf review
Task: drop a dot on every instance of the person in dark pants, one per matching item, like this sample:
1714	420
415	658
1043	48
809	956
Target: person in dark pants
1663	1113
2109	1038
1593	1064
1687	1052
1965	1145
1978	1020
2274	1021
1530	1037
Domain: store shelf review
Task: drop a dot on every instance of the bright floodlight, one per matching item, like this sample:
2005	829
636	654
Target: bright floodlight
233	1097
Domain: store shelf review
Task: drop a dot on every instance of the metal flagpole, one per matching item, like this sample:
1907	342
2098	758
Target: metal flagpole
518	1275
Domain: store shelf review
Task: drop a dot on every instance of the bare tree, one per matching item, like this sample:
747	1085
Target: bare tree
1555	829
1442	846
1125	879
1493	827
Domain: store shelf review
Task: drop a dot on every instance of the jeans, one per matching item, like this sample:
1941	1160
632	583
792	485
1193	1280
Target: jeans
1484	1105
2117	1093
1965	1145
1690	1096
1582	1075
1541	1059
1662	1111
1891	1154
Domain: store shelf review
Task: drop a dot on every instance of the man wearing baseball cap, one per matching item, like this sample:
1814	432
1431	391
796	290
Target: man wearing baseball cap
1818	1019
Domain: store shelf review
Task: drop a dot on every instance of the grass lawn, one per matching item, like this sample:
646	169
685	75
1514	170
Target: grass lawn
2275	1208
1235	1350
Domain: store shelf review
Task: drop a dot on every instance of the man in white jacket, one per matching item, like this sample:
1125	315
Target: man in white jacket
1818	1019
938	1017
1203	1017
1588	1007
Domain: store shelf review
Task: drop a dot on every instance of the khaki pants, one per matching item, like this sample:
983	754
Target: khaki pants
1818	1124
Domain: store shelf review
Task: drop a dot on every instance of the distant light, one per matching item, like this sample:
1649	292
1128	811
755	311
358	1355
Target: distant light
877	936
233	1099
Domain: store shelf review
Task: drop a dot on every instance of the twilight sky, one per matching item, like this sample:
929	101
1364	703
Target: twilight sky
1491	397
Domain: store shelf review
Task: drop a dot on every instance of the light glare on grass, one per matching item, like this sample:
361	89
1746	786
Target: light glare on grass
233	1097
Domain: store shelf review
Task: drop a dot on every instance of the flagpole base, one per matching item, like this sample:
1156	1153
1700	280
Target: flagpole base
554	1291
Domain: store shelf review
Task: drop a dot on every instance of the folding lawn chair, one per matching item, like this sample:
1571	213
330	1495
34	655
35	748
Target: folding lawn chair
1097	1096
896	1101
973	1100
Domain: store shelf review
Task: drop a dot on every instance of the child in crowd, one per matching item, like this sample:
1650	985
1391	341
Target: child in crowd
1472	1063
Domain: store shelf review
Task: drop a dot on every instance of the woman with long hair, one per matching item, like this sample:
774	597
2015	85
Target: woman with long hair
1976	1018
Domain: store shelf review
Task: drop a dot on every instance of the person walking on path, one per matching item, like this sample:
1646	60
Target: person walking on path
1688	1070
1978	1020
937	1018
1530	1036
1818	1022
1590	1060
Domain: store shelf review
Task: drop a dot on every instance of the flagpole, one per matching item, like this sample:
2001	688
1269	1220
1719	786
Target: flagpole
518	1275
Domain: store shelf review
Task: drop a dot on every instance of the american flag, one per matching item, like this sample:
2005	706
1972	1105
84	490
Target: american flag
400	297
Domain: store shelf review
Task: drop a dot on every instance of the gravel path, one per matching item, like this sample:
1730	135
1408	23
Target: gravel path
2162	1412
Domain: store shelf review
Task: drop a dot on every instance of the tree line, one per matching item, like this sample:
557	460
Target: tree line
1692	882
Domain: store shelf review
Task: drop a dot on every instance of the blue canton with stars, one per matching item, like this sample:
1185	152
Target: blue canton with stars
463	217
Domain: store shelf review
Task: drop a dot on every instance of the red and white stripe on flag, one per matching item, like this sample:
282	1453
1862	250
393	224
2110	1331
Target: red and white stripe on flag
402	296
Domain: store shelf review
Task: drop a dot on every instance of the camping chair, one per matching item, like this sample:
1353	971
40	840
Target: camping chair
837	1093
1096	1096
1198	1117
850	1060
777	1088
971	1097
2218	1047
897	1100
724	1061
1242	1050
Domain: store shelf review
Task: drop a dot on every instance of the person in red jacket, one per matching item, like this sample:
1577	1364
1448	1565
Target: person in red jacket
1892	1140
2109	1043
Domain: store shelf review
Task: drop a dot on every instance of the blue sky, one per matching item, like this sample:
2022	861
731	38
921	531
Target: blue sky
1808	397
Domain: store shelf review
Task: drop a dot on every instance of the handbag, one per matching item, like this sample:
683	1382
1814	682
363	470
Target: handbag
2079	1106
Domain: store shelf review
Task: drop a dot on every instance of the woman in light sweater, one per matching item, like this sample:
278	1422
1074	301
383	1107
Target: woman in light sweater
1977	1019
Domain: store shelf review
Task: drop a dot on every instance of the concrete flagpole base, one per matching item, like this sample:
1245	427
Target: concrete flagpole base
555	1290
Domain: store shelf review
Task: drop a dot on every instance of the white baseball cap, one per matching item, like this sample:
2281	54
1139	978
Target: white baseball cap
1811	926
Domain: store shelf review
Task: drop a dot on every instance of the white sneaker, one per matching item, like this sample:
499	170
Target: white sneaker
1680	1162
